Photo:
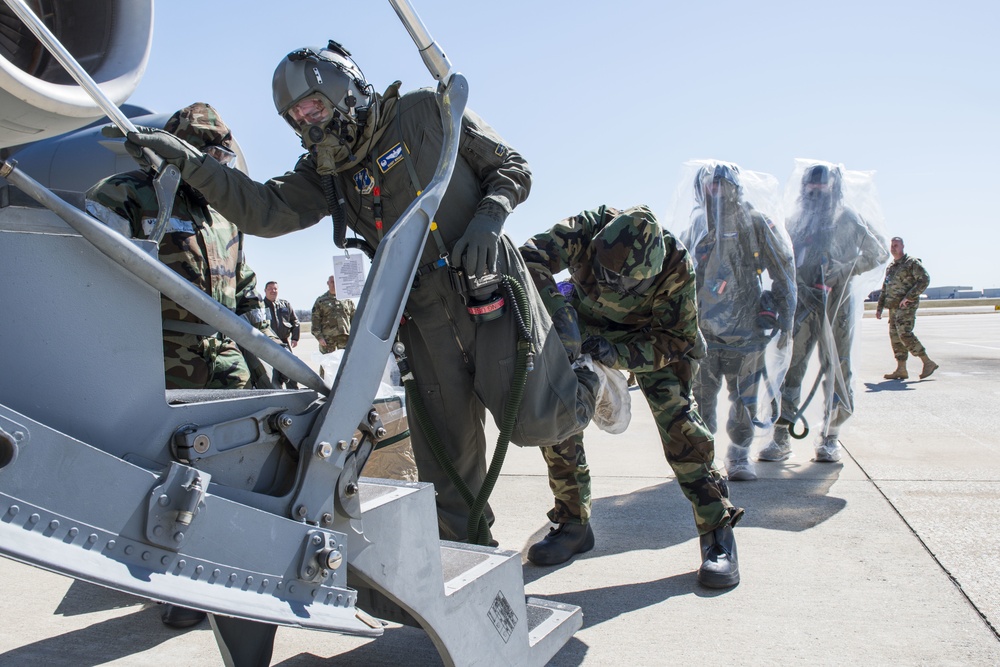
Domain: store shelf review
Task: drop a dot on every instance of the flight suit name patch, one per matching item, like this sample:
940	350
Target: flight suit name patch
390	158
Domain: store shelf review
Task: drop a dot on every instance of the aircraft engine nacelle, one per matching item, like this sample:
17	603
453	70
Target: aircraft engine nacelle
38	99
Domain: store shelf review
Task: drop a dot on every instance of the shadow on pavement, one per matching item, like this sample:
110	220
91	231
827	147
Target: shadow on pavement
399	645
659	517
118	638
84	598
888	385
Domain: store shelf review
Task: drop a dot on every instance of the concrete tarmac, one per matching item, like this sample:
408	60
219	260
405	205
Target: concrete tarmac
886	558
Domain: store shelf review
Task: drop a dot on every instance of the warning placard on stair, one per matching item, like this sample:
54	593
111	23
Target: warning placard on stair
503	616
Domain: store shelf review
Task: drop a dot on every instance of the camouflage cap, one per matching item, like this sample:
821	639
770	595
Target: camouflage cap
631	244
200	125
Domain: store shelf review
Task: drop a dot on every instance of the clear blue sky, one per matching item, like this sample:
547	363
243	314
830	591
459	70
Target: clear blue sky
606	100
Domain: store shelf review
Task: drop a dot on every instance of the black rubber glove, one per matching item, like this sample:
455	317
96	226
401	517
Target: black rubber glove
175	151
601	350
479	243
567	325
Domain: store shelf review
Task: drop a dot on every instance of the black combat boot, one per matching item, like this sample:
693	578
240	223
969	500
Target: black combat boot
720	567
562	543
181	617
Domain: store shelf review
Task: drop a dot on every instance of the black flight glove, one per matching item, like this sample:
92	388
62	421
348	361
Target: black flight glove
567	325
175	151
479	243
601	350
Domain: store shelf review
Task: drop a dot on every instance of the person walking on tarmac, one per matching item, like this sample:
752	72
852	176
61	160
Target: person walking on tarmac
745	320
368	157
905	280
833	246
632	300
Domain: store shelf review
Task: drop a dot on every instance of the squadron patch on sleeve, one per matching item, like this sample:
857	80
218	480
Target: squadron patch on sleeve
390	158
501	150
363	181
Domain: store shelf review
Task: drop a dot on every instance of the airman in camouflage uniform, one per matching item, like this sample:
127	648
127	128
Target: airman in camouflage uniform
633	288
200	245
204	248
905	280
734	246
331	319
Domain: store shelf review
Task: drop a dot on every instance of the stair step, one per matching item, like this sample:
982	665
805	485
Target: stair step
546	616
462	564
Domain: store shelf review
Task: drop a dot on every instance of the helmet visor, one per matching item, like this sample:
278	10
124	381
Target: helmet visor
310	110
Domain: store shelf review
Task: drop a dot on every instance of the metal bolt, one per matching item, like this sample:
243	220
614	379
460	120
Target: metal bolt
310	571
201	443
373	417
285	421
351	489
327	519
317	539
325	450
341	445
334	559
163	500
380	432
301	511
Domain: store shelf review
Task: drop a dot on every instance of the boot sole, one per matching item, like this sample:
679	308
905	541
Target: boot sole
719	581
546	559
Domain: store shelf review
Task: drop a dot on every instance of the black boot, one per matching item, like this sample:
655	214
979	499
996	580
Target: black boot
562	543
181	617
720	567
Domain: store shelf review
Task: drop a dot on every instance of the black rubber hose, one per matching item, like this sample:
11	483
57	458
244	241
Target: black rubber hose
519	303
335	204
478	530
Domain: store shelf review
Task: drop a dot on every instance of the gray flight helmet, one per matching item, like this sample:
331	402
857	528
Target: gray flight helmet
329	72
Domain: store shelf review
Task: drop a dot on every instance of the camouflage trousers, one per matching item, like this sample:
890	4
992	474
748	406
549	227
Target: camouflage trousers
901	321
203	362
687	444
333	344
741	370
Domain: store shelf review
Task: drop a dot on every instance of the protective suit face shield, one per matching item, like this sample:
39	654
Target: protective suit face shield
721	192
222	155
821	189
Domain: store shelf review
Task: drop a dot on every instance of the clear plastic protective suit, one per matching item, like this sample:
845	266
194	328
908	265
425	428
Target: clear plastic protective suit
838	234
731	222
